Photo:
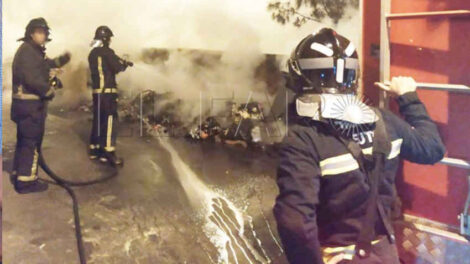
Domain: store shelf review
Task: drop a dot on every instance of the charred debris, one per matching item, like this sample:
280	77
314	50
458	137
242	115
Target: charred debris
250	124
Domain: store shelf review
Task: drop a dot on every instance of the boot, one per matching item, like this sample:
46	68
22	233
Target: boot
93	153
112	159
24	187
102	156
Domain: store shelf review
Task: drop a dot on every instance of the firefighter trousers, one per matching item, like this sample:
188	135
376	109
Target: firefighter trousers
105	118
30	119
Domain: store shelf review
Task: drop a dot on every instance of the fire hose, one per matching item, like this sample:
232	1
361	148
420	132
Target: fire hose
67	185
55	82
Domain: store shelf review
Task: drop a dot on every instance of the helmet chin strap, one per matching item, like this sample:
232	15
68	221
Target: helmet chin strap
343	107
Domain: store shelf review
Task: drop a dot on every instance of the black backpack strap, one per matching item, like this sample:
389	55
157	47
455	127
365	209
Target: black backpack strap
373	168
382	147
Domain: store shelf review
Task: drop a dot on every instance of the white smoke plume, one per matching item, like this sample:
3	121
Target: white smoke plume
242	31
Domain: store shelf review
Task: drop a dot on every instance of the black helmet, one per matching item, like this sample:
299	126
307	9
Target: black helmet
324	62
33	25
103	33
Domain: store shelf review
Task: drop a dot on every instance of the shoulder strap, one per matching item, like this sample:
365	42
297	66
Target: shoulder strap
373	168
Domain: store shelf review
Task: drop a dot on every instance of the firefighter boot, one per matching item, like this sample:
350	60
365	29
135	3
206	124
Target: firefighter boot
112	159
24	187
94	152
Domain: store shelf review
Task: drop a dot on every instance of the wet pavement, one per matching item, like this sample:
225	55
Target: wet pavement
173	202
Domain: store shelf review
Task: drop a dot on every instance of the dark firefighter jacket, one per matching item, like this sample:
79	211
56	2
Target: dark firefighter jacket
323	192
31	88
104	65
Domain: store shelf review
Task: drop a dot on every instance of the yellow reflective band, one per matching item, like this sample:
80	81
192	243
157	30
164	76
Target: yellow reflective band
100	71
336	159
105	90
26	96
27	178
109	134
331	250
334	250
395	149
367	151
340	170
338	164
348	252
22	96
34	170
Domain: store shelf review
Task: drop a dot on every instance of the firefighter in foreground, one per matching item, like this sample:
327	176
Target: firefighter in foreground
338	162
32	90
104	65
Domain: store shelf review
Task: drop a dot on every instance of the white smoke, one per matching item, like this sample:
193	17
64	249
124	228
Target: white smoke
242	30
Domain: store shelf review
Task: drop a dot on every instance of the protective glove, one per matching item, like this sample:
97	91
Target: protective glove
399	85
402	85
64	58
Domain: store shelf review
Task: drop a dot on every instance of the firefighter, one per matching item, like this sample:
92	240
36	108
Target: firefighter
104	65
32	90
337	186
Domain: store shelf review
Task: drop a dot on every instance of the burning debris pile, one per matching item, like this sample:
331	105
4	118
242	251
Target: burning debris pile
240	124
188	95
